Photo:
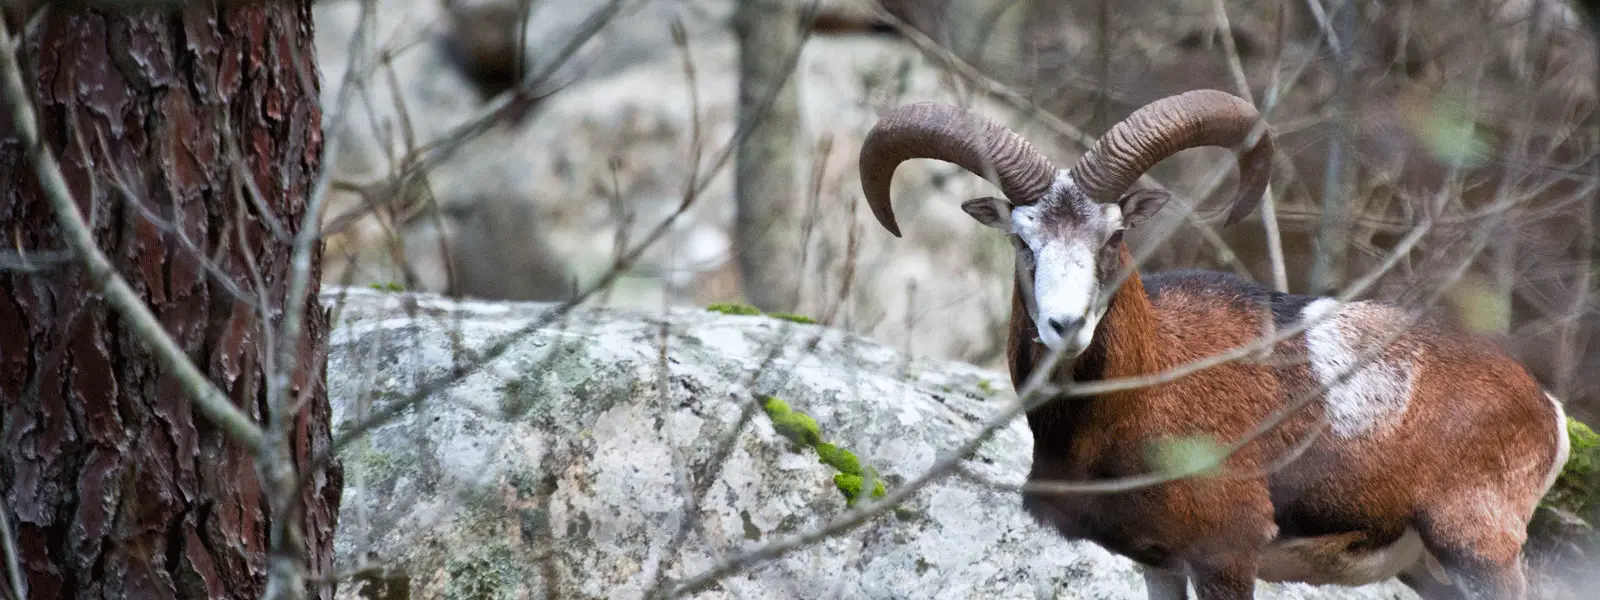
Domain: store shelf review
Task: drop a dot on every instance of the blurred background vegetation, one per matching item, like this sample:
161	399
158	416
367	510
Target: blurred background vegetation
506	149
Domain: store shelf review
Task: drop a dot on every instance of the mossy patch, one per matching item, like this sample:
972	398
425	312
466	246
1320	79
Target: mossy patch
1577	490
850	486
730	308
801	429
733	308
838	458
387	286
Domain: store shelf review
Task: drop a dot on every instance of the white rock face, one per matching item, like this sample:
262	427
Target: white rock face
558	469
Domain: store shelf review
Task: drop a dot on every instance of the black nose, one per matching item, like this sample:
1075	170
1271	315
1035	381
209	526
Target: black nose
1063	325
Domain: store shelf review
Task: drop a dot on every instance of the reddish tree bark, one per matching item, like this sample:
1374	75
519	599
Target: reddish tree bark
114	483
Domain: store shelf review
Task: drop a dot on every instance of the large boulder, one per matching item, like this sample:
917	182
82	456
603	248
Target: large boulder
559	469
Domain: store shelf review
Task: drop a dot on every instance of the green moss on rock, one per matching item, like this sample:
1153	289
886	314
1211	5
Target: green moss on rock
775	407
850	486
838	458
731	308
734	308
799	427
1577	490
793	317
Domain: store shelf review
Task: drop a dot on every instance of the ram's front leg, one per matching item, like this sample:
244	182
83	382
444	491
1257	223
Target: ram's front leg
1233	579
1165	585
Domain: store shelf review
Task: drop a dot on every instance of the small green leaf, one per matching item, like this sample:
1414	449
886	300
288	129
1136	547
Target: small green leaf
1451	132
1186	456
1480	306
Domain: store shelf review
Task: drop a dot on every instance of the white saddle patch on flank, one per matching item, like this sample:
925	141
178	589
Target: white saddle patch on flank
1563	443
1367	397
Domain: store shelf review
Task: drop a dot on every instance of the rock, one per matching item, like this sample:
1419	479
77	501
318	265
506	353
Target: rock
1562	552
1563	548
555	471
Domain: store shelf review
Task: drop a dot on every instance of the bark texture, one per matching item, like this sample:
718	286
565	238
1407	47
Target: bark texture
116	486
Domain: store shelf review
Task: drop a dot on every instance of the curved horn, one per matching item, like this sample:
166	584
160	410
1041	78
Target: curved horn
1170	125
954	135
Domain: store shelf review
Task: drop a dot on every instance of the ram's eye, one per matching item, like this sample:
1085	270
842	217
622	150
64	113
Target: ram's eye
1115	240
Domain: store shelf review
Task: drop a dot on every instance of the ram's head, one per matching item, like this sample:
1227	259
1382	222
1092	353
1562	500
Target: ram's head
1066	224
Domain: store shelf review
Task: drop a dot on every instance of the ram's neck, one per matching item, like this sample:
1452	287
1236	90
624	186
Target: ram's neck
1124	345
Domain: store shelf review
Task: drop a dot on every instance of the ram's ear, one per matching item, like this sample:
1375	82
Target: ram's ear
1139	205
992	212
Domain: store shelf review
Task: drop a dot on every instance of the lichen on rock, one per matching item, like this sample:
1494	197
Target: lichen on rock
488	572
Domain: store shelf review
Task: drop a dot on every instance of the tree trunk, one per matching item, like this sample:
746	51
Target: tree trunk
767	166
114	485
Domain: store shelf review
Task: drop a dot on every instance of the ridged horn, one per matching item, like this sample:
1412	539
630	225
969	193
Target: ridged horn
1168	126
954	135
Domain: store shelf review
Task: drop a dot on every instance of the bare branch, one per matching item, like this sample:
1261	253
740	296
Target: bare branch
9	545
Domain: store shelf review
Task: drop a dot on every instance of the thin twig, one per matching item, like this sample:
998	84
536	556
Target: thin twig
1269	201
13	571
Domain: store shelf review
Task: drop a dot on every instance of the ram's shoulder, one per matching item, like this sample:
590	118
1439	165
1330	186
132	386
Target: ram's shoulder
1187	286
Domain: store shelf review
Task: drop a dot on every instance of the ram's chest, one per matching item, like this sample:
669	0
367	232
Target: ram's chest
1120	532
